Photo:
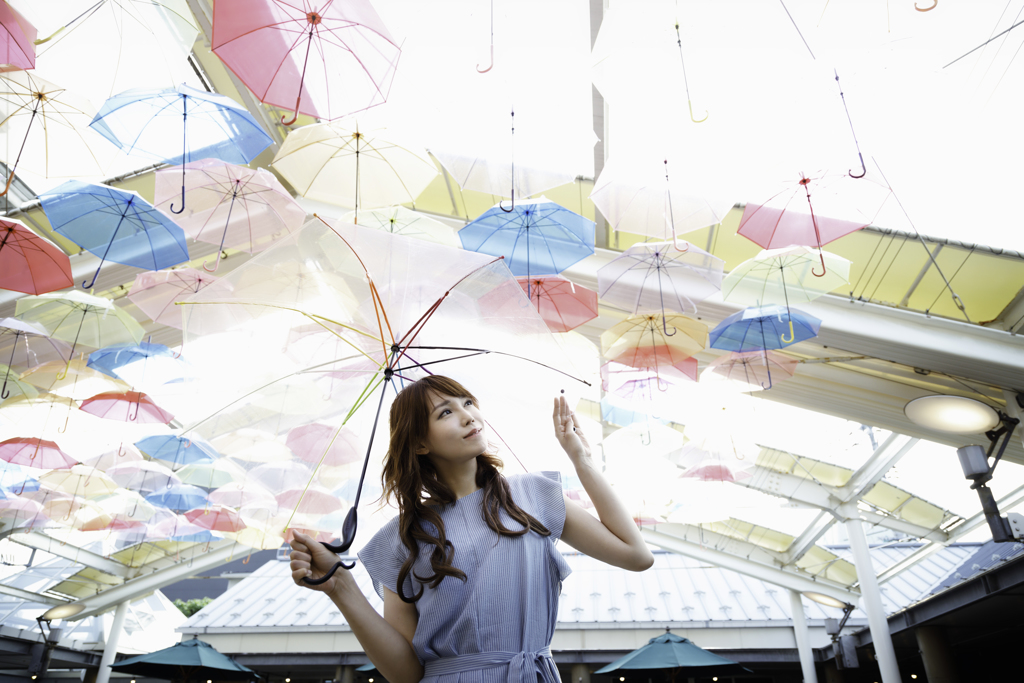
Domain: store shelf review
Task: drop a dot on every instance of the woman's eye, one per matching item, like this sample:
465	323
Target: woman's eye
469	402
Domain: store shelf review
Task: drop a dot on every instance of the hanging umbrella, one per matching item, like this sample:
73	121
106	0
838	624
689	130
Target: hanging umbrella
340	163
429	301
642	341
35	452
111	360
181	497
116	225
186	661
79	480
30	345
325	445
122	455
678	656
229	205
616	377
763	327
80	318
216	518
129	43
211	475
75	379
29	263
155	293
20	513
178	125
536	237
237	494
321	58
47	127
13	386
177	450
17	36
125	406
563	304
653	275
402	221
813	210
754	369
143	476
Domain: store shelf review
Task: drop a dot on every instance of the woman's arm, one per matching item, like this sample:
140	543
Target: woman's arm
387	640
614	538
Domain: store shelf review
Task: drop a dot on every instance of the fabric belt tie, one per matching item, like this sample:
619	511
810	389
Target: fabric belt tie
523	666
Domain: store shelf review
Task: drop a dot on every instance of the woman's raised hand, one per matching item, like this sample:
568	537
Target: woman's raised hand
310	558
569	432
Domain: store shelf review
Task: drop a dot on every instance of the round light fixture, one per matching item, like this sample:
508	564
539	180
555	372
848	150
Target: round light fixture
62	611
823	599
952	414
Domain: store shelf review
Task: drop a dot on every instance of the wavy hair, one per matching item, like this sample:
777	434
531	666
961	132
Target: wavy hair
411	480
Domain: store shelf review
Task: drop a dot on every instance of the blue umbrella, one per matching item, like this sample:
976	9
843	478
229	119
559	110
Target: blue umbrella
179	498
763	328
116	225
536	237
108	359
178	125
177	450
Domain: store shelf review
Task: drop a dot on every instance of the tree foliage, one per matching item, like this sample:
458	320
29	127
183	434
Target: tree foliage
190	607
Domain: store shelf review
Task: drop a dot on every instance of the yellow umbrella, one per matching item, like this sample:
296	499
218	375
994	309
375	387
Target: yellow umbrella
651	340
80	480
75	379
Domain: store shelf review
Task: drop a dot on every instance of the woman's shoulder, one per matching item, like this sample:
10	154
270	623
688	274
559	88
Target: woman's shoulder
534	480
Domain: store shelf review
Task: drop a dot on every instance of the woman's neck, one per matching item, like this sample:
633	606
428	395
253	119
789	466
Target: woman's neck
460	478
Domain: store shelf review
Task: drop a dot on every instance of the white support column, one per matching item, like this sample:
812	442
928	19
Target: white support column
872	603
110	647
803	639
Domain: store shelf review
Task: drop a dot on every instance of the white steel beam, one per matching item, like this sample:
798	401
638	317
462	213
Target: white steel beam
762	571
144	585
29	595
880	462
805	541
34	539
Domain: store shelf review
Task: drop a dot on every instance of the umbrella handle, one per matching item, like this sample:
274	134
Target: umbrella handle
177	211
293	118
935	4
863	168
664	325
511	208
490	66
791	335
822	273
4	393
690	104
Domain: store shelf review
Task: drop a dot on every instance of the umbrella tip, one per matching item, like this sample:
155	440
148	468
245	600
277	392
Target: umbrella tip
562	390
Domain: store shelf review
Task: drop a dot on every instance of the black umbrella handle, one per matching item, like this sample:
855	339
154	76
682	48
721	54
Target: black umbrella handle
325	577
348	535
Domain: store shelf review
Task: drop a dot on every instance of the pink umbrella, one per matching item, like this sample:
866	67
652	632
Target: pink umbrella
17	38
278	476
29	263
22	512
322	444
155	292
233	206
126	406
757	369
236	495
35	452
624	380
319	57
563	305
216	518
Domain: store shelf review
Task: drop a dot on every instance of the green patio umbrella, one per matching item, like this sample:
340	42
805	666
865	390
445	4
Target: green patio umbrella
190	660
675	655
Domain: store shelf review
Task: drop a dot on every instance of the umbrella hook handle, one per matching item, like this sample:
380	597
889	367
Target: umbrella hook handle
137	406
490	66
863	168
935	3
690	104
823	271
177	211
664	326
512	207
648	441
791	334
4	393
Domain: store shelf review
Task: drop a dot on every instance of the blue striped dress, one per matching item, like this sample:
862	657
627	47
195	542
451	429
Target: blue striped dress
495	627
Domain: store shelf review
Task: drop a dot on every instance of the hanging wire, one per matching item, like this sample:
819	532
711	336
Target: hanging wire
952	277
686	83
781	2
892	262
984	44
863	168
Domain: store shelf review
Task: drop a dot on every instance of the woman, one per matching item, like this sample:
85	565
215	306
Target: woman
468	571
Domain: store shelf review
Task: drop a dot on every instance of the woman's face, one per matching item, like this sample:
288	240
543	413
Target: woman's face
455	431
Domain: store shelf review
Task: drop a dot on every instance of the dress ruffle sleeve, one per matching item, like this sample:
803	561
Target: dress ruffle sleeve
383	556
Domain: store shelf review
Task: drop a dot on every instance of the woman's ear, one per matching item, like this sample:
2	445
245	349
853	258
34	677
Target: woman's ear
422	450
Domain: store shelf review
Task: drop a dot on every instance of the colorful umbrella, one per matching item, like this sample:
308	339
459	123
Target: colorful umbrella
177	450
122	455
138	364
79	480
211	475
536	237
402	221
30	343
29	263
182	497
156	293
35	452
216	518
236	494
49	128
814	210
657	275
80	318
341	164
230	205
622	379
763	327
641	341
332	58
754	369
144	476
14	385
150	122
17	36
126	406
563	304
322	444
116	225
75	379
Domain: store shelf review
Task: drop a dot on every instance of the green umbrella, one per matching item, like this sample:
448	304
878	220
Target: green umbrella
186	661
677	655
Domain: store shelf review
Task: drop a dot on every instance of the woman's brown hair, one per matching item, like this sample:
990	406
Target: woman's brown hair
413	482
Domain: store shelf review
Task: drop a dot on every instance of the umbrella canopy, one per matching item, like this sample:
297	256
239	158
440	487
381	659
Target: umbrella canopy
785	276
321	58
75	379
155	293
754	369
535	237
116	225
643	341
763	327
185	661
563	304
29	263
17	51
342	164
402	221
28	344
678	655
35	452
177	450
229	205
125	406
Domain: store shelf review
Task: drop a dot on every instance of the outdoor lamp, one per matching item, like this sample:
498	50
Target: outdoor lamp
826	600
62	611
952	414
